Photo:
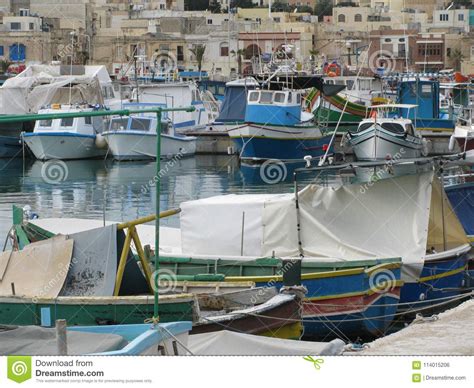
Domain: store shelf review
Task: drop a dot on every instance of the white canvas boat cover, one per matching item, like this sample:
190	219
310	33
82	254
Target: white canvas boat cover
41	85
228	343
388	219
39	270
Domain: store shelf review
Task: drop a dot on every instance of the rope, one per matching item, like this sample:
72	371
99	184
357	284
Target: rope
176	339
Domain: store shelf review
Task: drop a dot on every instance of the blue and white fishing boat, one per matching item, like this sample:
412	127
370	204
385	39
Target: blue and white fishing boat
385	136
276	127
427	116
67	138
134	138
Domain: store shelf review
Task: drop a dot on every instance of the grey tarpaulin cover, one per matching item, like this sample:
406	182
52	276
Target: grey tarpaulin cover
94	263
389	219
34	340
229	343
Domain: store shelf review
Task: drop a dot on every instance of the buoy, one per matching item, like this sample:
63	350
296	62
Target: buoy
452	142
100	141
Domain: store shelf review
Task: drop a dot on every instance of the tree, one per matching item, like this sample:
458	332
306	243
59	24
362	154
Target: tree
323	8
198	52
239	54
456	57
4	65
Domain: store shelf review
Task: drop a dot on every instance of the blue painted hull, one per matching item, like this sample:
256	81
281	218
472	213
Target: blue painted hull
347	306
449	282
437	125
462	200
10	147
282	149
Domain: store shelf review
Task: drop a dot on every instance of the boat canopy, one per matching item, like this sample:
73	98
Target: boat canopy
390	219
397	106
235	101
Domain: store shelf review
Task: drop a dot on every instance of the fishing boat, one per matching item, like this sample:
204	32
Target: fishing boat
67	138
108	292
134	138
174	94
464	131
40	86
384	135
276	127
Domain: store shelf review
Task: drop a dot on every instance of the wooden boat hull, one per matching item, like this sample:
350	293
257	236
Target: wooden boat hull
285	143
280	319
378	144
440	281
135	145
91	311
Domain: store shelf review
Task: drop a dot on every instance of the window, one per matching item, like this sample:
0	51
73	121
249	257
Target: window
32	26
224	49
364	126
45	123
341	18
253	96
67	122
140	124
279	98
88	120
277	20
461	17
410	129
118	124
15	26
472	52
1	51
266	97
209	21
443	17
392	127
180	51
358	17
426	90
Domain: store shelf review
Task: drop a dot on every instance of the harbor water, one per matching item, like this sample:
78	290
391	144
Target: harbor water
125	190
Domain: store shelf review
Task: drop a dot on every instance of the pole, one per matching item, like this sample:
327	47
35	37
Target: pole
157	211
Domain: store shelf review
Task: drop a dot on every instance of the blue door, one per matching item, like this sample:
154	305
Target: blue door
17	52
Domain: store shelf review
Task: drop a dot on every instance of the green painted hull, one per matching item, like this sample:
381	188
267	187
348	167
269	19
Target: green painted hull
193	269
92	311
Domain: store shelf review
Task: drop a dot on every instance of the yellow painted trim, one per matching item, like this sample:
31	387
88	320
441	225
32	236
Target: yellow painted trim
448	130
443	275
383	266
373	290
306	276
292	331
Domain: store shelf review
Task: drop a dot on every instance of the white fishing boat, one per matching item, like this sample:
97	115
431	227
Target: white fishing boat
464	131
134	138
67	138
386	135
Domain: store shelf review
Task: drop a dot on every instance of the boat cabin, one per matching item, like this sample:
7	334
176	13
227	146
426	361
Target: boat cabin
424	94
274	107
138	124
76	125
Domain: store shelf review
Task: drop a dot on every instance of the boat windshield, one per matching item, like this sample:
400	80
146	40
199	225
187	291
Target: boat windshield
45	123
393	127
118	124
140	124
364	126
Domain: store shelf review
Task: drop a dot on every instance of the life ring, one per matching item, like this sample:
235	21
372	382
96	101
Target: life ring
333	68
